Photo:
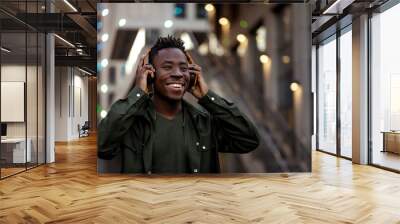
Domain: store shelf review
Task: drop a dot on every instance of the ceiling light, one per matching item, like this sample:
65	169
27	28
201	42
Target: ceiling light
168	23
203	49
104	88
223	21
104	37
286	59
209	7
105	12
264	58
84	71
241	38
5	50
294	86
337	7
70	5
261	38
103	114
65	41
104	63
122	22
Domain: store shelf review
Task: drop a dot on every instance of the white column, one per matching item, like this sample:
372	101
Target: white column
50	99
50	92
360	90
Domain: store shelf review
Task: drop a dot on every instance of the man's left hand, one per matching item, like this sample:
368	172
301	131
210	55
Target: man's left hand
200	87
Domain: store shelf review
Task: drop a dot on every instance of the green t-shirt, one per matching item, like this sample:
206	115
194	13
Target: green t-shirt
170	153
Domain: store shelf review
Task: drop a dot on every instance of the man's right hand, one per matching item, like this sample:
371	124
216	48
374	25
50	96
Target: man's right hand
143	70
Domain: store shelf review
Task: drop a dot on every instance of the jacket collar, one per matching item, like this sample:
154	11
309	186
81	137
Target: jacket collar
186	106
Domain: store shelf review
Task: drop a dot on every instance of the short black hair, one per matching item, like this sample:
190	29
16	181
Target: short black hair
166	42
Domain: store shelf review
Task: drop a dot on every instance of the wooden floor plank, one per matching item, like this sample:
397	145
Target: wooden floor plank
70	191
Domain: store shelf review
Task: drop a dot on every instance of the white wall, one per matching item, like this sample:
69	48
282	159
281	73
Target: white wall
17	73
71	93
14	73
33	126
61	103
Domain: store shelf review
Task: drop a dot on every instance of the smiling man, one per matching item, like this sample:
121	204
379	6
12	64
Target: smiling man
159	132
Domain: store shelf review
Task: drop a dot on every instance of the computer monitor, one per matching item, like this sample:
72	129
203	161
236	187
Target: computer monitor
3	129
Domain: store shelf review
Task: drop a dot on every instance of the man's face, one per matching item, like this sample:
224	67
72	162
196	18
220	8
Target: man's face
172	74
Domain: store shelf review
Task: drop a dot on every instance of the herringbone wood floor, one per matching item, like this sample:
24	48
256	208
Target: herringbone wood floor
70	191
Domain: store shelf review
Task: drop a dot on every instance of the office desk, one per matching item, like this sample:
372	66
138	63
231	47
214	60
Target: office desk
391	141
13	150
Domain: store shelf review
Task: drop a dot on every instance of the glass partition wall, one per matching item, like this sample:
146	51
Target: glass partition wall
385	89
345	90
22	77
334	94
327	95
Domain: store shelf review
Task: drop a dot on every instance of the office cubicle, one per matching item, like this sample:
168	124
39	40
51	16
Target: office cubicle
22	77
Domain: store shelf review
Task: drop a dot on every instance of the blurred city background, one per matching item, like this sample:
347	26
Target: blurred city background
257	55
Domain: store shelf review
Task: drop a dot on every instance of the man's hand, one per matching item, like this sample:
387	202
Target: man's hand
200	87
144	69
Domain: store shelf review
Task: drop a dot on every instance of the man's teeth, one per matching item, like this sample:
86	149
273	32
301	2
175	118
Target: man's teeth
176	85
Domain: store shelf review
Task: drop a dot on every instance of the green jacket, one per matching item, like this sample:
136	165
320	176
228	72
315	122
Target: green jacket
128	126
